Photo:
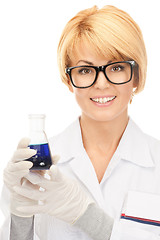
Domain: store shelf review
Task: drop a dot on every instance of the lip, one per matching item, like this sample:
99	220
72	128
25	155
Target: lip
107	104
106	96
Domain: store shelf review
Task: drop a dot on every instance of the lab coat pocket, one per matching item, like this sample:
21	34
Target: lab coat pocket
143	208
139	219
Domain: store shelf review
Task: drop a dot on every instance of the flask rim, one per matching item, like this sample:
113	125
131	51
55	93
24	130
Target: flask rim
40	116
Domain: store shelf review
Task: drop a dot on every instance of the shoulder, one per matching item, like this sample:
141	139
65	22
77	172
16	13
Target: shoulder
142	138
154	146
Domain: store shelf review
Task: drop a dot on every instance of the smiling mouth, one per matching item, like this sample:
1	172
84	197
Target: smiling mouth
103	100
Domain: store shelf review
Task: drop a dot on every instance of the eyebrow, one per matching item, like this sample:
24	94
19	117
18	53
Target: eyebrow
90	63
87	62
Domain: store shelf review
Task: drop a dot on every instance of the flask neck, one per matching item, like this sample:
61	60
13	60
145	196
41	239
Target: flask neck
36	123
36	129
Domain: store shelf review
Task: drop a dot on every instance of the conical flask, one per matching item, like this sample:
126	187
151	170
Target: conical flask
42	160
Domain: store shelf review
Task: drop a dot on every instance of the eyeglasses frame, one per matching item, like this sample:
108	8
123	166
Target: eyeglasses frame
102	68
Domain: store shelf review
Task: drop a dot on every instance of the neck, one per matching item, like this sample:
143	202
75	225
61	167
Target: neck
102	136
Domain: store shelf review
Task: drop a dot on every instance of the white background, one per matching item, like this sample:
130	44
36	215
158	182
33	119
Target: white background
29	77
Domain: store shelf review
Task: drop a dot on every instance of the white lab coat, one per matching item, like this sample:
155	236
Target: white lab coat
135	166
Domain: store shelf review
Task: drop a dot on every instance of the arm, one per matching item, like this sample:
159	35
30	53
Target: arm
71	204
96	223
21	228
13	174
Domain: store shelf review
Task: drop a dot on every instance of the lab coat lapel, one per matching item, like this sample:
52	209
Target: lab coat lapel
85	172
134	146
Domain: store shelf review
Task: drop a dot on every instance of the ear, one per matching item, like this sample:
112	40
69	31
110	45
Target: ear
135	83
69	84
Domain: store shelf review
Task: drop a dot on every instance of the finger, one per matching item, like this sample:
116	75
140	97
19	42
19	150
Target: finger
40	181
22	154
34	209
40	172
28	185
14	178
55	174
21	200
55	159
19	166
34	178
30	193
23	143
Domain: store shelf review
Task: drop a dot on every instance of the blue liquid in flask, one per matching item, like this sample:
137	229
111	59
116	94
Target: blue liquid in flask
42	160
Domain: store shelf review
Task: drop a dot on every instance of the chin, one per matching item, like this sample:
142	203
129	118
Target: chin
101	117
107	116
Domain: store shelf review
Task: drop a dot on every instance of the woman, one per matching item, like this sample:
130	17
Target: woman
107	163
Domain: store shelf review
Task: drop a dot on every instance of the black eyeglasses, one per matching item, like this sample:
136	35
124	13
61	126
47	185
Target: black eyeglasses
116	72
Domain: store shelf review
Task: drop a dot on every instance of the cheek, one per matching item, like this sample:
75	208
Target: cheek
125	92
80	95
81	92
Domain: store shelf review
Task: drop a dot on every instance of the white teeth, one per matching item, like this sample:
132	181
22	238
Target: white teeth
103	100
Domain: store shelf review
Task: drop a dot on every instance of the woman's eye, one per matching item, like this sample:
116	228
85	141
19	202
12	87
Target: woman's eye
84	71
117	68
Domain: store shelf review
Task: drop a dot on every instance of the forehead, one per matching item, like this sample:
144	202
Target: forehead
85	51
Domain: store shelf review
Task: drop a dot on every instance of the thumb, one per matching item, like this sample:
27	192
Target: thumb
23	143
55	174
55	159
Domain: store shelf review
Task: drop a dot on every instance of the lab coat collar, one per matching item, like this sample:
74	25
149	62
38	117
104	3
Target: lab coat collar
132	147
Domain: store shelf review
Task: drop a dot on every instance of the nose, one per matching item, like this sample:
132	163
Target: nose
101	81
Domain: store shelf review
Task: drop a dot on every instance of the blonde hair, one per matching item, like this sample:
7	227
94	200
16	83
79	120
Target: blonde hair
111	32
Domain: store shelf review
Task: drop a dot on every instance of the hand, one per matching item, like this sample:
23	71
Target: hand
62	197
17	169
17	173
20	201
